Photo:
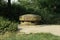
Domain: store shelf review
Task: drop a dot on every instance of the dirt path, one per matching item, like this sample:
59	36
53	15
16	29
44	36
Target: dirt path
54	29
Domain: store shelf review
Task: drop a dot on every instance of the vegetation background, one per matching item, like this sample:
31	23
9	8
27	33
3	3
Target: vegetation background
49	10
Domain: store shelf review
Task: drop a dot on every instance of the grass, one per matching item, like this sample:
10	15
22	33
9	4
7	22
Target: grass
37	36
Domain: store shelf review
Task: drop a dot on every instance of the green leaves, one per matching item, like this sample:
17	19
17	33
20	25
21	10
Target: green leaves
6	25
44	8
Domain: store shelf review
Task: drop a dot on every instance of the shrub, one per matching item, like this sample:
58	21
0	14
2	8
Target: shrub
7	25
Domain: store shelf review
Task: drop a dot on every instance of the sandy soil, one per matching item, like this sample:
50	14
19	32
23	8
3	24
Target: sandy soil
53	29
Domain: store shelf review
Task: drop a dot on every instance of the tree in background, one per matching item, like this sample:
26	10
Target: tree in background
9	6
6	23
48	9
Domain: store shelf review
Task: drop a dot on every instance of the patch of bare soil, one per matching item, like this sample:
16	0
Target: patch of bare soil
53	29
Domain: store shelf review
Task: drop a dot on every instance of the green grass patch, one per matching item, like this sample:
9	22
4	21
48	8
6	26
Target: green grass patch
37	36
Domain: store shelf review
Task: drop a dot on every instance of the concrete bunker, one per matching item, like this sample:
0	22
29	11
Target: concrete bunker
29	19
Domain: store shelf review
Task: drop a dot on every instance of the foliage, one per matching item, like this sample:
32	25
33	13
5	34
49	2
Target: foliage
6	25
47	9
8	21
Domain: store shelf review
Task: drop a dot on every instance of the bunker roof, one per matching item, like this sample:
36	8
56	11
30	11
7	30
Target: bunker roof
30	17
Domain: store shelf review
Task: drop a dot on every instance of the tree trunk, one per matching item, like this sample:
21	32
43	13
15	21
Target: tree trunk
9	8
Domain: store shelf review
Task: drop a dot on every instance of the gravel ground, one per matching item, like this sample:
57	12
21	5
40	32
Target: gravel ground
53	29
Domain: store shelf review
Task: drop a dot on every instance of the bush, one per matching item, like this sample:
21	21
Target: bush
7	25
